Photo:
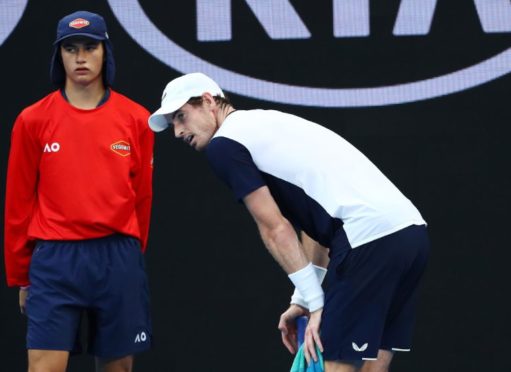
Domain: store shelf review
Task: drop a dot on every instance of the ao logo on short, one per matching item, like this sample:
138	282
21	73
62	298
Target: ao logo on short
337	53
140	337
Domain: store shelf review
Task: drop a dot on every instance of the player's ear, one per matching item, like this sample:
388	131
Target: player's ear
208	99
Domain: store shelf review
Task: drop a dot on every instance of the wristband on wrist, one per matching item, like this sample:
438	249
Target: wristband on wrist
297	298
25	287
307	283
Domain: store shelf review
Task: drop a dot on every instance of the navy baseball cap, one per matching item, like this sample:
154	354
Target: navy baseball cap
82	23
86	24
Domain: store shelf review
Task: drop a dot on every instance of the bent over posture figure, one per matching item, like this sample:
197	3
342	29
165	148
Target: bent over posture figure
293	174
78	204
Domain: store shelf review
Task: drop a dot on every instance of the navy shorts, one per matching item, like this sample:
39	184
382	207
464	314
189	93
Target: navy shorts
371	296
103	278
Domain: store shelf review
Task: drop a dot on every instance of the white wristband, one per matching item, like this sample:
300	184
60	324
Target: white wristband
297	298
307	283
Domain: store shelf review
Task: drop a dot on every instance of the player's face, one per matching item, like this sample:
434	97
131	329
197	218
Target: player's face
195	125
83	60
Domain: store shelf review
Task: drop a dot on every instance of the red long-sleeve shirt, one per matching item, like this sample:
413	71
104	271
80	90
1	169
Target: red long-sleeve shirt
76	174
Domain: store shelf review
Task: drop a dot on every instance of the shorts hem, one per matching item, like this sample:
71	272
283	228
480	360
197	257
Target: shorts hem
53	348
119	354
348	358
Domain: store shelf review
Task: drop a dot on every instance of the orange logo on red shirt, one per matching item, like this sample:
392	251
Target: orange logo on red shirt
79	23
122	148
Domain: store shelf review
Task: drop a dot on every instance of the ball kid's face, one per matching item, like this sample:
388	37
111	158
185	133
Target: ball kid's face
82	59
195	125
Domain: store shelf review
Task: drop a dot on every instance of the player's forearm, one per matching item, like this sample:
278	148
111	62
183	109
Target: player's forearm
315	252
284	246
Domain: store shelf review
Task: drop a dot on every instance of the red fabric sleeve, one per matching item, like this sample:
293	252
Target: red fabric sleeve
21	194
142	181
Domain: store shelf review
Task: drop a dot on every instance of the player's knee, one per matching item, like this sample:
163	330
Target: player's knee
45	367
382	364
47	361
124	364
342	366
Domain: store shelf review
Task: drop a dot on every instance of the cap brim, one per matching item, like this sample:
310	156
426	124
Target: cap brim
83	34
157	121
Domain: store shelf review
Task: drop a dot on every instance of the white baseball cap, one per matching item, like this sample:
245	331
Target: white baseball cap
178	92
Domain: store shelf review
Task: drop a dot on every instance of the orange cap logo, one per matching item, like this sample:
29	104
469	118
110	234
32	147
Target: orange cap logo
79	23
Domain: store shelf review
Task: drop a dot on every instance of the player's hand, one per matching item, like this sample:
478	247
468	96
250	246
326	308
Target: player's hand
23	299
287	327
312	336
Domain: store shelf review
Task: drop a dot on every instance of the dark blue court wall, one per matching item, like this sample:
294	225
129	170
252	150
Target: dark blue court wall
421	87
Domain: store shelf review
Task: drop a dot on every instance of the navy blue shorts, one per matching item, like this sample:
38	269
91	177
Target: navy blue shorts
371	296
103	278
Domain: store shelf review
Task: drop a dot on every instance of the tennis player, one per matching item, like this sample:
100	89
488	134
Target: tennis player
293	174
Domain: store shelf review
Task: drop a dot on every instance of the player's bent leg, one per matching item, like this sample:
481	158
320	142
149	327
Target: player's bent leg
382	364
124	364
339	366
47	360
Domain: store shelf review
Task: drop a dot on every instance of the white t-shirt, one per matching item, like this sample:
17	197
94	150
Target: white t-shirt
321	183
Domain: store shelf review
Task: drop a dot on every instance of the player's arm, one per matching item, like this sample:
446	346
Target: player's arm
281	240
276	231
318	255
233	163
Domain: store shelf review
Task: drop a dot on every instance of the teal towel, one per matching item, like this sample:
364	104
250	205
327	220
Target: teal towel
300	363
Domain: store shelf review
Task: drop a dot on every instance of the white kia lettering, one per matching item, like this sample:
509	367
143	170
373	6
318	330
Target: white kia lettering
350	18
414	18
278	18
495	15
54	147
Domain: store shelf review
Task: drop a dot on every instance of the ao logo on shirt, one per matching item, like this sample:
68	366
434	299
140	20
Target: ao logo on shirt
52	147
